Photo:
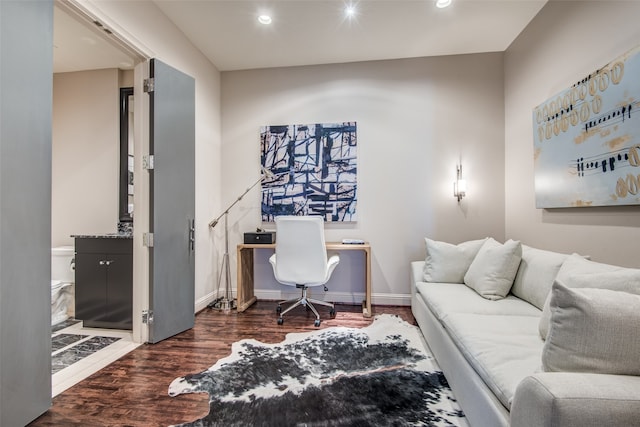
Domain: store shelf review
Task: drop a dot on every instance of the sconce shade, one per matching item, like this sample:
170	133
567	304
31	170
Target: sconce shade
443	3
462	186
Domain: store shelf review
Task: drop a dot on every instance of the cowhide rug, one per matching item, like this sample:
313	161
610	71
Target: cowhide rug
381	375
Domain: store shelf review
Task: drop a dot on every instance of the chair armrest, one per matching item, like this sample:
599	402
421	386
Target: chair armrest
568	399
332	262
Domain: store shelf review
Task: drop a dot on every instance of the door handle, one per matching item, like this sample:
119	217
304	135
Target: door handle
192	234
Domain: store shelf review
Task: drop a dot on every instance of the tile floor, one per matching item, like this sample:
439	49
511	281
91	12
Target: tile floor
78	352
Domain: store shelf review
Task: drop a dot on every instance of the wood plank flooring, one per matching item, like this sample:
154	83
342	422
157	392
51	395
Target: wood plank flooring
133	390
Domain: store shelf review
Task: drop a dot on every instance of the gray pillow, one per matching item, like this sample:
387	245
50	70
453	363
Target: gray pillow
447	263
577	272
594	331
492	271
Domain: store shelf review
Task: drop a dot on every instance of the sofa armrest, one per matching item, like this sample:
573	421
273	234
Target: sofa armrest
416	275
568	399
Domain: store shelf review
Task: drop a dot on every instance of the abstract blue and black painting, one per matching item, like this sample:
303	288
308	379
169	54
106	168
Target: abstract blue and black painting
314	169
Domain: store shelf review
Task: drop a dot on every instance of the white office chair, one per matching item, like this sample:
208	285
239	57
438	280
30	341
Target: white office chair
301	260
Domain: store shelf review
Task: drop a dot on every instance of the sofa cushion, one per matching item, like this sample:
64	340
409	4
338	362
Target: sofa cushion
492	271
577	272
593	330
447	263
536	273
503	350
447	298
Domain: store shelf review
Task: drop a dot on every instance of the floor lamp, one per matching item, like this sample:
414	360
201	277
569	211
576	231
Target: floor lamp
226	302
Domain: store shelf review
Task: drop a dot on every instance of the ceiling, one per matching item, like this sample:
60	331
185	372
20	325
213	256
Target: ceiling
79	45
310	32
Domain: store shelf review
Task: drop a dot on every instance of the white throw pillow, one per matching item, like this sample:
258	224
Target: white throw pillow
492	271
447	263
593	330
577	272
536	273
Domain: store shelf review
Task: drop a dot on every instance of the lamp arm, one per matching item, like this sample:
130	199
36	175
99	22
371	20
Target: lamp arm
226	211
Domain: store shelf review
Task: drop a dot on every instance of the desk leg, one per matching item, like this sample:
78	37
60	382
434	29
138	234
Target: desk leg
366	304
245	279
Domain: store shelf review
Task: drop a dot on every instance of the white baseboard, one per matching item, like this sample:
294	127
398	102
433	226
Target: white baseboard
391	299
339	297
204	301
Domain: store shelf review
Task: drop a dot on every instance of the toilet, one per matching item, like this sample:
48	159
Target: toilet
62	283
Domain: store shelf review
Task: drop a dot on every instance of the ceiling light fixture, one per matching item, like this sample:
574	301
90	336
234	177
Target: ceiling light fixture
443	3
264	19
350	11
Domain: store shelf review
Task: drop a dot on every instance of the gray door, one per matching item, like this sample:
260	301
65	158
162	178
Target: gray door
172	204
26	40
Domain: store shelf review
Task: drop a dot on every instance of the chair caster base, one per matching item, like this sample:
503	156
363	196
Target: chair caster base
307	303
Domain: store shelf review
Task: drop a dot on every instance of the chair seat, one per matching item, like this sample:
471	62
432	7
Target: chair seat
331	265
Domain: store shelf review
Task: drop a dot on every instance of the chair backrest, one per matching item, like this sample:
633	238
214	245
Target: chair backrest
301	255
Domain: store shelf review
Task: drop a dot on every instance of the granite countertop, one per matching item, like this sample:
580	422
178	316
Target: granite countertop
104	236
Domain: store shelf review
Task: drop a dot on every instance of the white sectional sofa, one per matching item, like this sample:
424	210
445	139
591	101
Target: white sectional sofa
484	308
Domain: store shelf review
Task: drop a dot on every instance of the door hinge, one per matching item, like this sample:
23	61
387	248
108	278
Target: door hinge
149	85
148	162
147	239
147	316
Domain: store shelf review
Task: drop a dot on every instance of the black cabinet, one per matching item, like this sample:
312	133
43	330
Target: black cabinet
104	282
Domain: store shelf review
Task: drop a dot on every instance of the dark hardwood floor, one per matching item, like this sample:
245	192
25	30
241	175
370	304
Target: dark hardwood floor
133	390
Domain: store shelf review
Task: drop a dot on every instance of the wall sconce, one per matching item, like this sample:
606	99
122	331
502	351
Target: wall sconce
460	185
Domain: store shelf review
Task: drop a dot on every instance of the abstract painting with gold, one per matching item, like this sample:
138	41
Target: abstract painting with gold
587	140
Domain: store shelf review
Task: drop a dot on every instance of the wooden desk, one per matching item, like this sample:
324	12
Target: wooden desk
245	292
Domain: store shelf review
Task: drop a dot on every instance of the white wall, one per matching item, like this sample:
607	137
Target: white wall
566	41
145	26
416	119
85	160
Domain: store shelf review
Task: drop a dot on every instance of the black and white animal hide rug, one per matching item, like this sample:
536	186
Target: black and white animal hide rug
381	375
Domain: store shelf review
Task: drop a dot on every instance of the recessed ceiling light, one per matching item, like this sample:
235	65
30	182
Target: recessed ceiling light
350	11
443	3
264	19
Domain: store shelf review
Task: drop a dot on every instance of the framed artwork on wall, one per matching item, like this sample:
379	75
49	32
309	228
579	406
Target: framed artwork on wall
587	140
314	169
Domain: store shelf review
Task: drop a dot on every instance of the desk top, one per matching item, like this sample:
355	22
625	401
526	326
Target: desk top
334	246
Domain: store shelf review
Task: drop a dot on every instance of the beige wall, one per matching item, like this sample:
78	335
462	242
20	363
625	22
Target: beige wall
474	107
85	162
566	41
147	28
416	119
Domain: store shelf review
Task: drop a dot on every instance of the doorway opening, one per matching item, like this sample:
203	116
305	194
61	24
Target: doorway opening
91	65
